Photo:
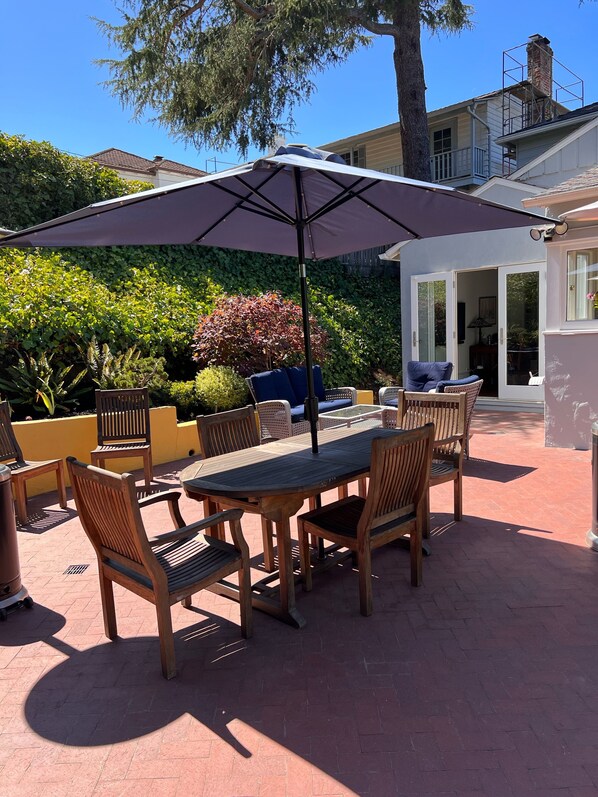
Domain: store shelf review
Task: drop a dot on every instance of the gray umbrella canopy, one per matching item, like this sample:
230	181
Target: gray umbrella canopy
300	202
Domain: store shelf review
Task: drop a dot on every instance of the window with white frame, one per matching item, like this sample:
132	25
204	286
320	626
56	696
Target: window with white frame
354	157
582	284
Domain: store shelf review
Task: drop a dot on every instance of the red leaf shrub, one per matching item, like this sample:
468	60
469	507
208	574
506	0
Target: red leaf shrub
256	333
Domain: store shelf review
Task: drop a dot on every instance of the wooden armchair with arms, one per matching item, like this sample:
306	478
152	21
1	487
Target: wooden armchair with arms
21	470
396	504
472	389
447	412
223	433
123	427
164	570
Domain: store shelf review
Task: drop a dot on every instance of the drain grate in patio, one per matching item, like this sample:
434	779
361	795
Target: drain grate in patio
75	570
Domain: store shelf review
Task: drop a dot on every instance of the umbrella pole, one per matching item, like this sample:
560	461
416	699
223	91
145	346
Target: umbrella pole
311	402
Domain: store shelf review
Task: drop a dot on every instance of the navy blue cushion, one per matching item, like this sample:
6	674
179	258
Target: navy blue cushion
424	376
297	413
298	379
271	385
391	402
467	380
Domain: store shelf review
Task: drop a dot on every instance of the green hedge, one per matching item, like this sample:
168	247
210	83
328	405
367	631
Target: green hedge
152	297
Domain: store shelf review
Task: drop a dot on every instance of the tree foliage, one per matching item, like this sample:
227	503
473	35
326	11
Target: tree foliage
256	333
222	72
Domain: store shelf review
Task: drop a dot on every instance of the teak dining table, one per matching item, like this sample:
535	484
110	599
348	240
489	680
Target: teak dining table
274	480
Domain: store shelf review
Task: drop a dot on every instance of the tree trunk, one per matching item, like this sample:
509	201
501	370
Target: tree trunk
411	91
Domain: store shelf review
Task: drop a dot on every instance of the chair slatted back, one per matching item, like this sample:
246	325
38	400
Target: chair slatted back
399	476
9	448
110	516
123	415
229	431
445	411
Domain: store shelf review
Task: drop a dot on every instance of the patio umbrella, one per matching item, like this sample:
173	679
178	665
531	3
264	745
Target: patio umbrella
300	201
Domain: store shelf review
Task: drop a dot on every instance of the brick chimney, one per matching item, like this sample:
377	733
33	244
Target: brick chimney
539	65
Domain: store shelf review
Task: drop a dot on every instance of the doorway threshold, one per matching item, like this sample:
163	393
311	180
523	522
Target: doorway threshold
508	405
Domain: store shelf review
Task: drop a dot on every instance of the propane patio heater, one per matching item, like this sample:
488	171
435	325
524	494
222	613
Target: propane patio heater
12	592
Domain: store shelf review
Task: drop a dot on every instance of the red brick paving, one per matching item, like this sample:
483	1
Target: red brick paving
483	682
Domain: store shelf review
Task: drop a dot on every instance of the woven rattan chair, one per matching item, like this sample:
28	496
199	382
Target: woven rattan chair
223	433
21	470
472	391
447	413
164	570
395	506
123	428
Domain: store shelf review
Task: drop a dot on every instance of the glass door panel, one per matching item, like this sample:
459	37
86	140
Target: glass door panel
522	322
432	318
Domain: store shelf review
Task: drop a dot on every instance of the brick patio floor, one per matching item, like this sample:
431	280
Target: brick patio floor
484	681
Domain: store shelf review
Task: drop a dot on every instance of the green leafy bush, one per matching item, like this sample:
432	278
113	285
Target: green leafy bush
221	388
184	397
152	297
38	182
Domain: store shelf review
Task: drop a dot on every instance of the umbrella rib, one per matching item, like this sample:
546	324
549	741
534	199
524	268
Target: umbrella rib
349	193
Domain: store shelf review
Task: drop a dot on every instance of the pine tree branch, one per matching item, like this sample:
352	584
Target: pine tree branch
379	28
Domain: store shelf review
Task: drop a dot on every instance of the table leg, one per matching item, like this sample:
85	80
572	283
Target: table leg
289	612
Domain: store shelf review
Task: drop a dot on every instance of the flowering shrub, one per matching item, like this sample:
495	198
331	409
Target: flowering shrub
256	333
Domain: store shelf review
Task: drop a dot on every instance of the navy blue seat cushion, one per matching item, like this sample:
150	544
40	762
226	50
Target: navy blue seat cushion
424	376
272	385
391	402
298	379
297	413
467	380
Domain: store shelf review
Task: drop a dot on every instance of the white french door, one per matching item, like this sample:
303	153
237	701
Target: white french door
521	323
433	333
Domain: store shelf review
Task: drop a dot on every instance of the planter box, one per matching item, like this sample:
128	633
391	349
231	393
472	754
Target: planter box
57	438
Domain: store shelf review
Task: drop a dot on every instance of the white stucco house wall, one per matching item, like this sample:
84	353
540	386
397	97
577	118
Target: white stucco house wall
532	294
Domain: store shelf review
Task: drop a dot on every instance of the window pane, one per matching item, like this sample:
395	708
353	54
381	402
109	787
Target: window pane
582	285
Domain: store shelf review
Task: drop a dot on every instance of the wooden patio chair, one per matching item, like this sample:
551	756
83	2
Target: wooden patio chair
164	570
447	413
21	470
223	433
123	428
395	506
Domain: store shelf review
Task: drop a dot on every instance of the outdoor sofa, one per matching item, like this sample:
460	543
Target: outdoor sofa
279	397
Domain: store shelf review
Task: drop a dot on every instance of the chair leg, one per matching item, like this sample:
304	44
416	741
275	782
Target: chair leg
343	491
458	498
166	637
426	510
61	484
245	601
187	602
362	488
365	581
304	555
108	610
267	535
415	550
20	500
147	468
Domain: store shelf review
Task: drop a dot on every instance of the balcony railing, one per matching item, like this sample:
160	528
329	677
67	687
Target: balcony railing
453	165
466	162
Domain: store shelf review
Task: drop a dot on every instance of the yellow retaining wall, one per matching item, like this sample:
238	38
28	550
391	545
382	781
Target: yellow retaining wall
56	438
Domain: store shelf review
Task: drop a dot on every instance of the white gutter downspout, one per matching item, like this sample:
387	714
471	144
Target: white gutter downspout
473	114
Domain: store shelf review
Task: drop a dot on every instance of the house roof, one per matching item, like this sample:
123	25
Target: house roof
119	159
578	116
587	179
395	126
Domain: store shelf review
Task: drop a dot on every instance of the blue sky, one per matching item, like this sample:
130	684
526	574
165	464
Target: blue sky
51	88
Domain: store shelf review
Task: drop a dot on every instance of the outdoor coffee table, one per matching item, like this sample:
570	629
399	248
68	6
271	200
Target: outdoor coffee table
274	480
347	416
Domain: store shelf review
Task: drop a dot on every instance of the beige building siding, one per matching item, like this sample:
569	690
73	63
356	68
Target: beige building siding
384	152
